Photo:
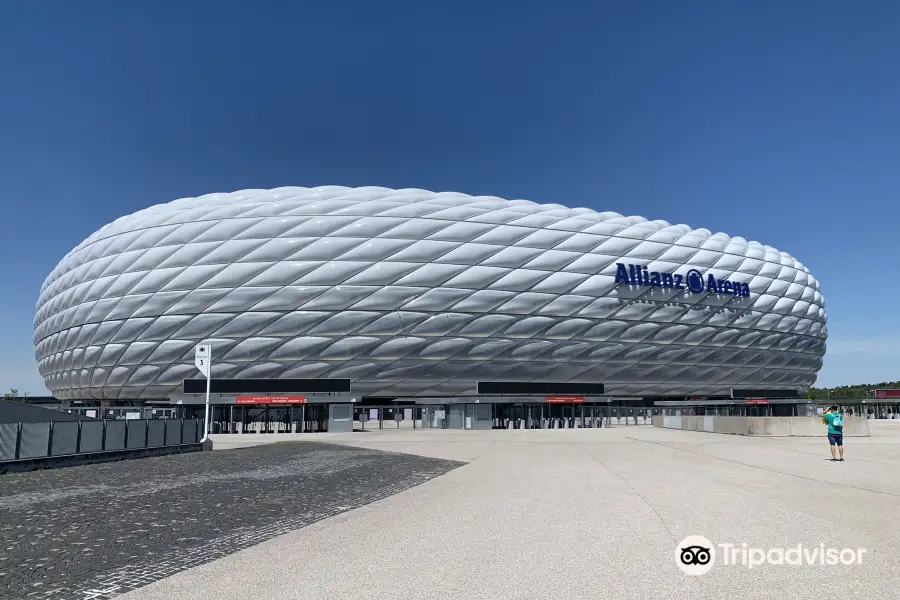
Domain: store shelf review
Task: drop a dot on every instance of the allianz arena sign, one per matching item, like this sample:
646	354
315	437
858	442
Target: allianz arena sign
692	281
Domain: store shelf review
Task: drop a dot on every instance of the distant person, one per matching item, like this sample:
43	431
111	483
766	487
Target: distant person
832	417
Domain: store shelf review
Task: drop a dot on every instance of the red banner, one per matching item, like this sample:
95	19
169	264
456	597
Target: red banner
757	401
887	393
270	400
563	399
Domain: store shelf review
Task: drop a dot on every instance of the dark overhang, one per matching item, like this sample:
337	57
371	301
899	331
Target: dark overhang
764	393
539	388
267	386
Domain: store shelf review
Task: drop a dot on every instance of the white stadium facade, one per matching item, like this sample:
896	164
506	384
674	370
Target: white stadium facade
374	295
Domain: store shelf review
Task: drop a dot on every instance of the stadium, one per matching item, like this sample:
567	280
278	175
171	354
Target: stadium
334	296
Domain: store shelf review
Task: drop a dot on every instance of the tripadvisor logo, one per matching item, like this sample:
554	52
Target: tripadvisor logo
696	555
693	280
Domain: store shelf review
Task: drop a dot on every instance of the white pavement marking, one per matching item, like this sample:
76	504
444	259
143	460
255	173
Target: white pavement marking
584	514
92	594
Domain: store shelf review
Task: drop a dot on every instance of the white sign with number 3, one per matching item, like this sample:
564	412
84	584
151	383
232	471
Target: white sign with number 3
202	358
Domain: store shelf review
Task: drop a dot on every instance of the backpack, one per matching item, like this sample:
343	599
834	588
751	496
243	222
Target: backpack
837	423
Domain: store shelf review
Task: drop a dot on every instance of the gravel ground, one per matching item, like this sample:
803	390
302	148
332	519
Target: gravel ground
97	531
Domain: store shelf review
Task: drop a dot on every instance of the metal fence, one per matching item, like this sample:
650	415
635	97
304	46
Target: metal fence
22	441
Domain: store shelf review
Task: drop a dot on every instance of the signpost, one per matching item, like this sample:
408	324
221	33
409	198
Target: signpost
203	361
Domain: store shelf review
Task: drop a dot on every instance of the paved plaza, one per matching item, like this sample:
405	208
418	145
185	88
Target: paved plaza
497	514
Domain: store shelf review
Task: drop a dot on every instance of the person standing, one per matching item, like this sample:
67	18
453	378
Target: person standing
832	417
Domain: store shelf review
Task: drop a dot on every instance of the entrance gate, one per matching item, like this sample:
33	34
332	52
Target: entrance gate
396	416
315	418
264	418
539	415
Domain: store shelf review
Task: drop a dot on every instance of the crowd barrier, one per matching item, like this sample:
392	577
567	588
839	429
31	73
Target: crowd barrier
66	441
762	426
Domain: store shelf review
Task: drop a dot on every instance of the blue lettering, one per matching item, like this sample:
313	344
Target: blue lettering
693	280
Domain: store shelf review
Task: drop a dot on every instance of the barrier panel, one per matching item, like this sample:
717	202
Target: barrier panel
137	434
156	433
9	439
189	431
173	432
691	423
814	426
115	435
64	438
64	443
91	436
735	425
763	426
771	426
34	440
672	422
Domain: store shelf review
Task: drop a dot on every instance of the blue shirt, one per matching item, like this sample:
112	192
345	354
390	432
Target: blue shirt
829	418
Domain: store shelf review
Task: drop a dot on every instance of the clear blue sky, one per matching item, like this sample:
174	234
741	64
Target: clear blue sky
777	121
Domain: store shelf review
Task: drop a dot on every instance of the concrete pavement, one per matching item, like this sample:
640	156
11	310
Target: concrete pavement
585	514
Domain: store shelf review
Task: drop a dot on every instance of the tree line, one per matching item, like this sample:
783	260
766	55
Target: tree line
850	392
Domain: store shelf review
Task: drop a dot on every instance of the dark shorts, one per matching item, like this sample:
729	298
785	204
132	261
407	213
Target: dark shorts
836	439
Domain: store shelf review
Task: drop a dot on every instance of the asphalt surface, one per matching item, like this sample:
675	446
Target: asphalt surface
583	514
97	531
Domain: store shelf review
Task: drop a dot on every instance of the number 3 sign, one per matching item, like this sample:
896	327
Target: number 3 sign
202	358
